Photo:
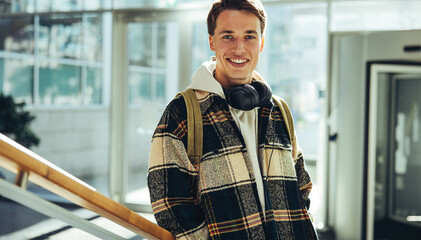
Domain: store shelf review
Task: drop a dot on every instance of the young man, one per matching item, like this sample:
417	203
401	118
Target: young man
250	182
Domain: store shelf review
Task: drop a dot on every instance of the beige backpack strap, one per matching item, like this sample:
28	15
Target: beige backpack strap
286	114
194	126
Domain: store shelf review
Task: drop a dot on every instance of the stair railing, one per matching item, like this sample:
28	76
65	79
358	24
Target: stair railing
28	166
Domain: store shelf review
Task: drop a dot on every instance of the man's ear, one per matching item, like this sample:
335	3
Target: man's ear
262	44
211	44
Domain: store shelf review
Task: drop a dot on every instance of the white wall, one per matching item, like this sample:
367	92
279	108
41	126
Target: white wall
347	164
76	140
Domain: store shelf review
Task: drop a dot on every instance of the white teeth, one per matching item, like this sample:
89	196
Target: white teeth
238	61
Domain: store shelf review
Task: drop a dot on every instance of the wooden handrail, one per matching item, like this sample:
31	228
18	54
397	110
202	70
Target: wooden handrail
19	159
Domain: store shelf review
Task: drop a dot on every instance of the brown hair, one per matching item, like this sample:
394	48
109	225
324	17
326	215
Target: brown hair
252	6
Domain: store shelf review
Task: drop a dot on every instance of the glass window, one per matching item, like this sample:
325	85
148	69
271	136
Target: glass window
158	3
59	5
293	62
375	15
93	90
406	155
148	62
209	2
152	58
93	38
92	4
29	6
43	5
16	6
143	4
140	54
16	78
201	50
160	88
59	84
140	88
133	3
62	40
162	46
60	36
17	35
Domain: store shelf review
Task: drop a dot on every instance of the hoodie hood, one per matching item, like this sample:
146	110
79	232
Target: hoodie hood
204	80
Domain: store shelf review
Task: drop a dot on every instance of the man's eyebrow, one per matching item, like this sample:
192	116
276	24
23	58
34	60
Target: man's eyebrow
230	32
251	32
226	32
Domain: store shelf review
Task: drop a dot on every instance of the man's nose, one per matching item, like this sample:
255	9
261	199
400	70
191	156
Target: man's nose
238	46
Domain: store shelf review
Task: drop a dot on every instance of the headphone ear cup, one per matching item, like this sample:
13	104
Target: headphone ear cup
244	97
264	91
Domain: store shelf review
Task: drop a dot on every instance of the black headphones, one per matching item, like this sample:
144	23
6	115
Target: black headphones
248	96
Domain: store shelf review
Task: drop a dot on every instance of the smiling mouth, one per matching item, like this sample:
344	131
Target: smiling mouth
238	61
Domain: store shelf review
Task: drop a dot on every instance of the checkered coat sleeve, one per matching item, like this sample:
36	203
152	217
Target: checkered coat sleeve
172	178
219	199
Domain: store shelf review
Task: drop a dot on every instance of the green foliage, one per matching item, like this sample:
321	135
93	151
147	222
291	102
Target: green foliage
15	121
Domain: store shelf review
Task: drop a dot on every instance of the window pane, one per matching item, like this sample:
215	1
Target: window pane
140	54
16	6
93	91
294	63
209	2
43	5
59	84
159	3
201	50
406	203
93	38
59	5
140	88
160	88
92	5
162	46
60	36
151	82
133	3
16	78
17	35
66	5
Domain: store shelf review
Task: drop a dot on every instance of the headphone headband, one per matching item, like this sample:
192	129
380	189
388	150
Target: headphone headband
248	96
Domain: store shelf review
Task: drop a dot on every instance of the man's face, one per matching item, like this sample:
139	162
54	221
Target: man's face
237	43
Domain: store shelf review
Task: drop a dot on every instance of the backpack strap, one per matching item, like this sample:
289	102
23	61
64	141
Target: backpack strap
195	130
286	114
194	126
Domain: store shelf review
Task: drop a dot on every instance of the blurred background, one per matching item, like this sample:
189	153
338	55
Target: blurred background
97	75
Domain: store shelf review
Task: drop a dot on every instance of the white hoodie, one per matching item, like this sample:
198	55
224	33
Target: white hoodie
246	121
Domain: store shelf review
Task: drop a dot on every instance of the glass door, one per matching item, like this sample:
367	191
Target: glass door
152	75
151	63
394	152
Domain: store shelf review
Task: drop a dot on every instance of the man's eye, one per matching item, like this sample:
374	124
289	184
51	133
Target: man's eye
227	37
250	37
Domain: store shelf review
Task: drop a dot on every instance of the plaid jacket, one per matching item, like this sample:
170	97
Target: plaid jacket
218	199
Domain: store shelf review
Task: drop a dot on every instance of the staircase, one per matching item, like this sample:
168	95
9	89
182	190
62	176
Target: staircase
98	217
